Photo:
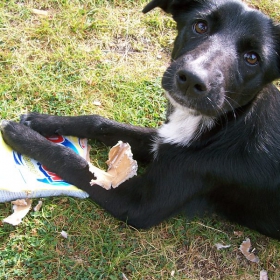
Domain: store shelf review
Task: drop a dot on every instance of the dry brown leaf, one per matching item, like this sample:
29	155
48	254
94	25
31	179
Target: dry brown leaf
20	211
245	250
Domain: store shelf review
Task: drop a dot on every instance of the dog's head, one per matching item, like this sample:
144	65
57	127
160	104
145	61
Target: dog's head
224	54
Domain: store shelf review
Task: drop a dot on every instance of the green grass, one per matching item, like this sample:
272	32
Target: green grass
107	51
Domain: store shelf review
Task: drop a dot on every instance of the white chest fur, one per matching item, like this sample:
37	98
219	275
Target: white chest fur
183	127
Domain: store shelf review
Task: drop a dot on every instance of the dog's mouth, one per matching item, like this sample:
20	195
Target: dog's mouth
200	106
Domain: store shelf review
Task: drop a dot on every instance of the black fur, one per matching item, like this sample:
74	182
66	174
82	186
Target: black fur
220	148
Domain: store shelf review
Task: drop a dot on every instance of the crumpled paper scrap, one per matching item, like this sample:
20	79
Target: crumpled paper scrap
220	246
20	207
263	275
121	167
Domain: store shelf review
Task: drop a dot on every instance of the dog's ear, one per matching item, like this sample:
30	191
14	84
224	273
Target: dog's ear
169	6
278	48
163	4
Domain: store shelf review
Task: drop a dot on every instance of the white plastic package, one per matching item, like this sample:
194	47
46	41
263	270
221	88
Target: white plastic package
23	177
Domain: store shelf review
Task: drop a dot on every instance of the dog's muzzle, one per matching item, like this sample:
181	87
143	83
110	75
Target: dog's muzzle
194	86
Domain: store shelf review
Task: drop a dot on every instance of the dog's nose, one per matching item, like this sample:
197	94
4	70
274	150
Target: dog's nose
190	82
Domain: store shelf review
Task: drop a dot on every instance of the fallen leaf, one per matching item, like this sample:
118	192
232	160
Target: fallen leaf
245	250
21	208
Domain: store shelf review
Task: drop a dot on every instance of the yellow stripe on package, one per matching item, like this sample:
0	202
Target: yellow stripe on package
23	177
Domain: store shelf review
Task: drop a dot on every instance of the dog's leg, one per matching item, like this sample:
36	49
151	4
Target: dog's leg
27	141
141	201
95	127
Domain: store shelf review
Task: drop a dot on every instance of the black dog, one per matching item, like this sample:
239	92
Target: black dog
220	148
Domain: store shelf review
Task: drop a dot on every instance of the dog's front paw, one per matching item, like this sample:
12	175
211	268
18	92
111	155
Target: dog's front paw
8	128
35	121
15	135
42	123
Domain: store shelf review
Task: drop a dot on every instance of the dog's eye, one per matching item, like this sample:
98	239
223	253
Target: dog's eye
200	27
251	58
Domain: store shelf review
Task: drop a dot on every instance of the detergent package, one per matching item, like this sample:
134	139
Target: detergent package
23	177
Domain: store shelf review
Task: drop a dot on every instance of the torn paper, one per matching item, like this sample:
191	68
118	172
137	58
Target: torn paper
20	207
121	167
220	246
40	12
20	202
38	206
263	275
64	234
245	250
97	103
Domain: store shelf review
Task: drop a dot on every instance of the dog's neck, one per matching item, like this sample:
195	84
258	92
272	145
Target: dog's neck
184	126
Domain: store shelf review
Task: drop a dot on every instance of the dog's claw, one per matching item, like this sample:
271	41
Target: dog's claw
44	124
3	123
27	123
25	119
